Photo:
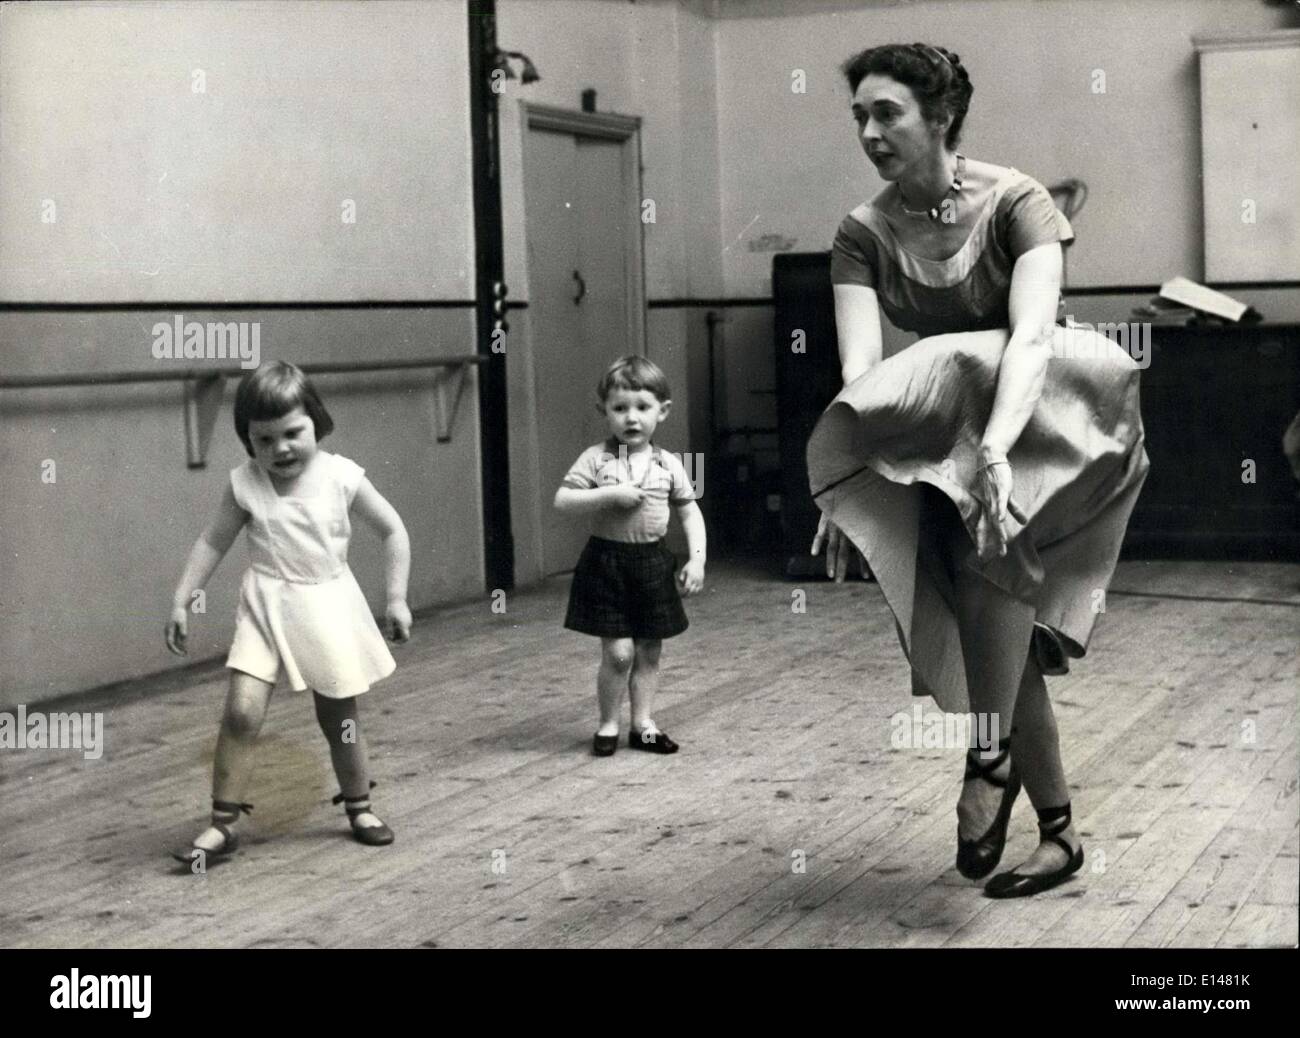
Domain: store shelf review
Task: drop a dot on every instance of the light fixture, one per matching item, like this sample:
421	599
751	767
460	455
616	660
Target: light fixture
501	61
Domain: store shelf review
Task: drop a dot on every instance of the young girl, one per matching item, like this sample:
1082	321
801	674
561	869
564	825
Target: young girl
301	612
623	590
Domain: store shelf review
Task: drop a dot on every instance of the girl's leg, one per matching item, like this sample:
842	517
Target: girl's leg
644	682
246	703
995	631
616	656
339	721
1037	751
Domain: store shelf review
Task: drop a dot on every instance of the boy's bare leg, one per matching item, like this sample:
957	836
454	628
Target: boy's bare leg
644	682
616	655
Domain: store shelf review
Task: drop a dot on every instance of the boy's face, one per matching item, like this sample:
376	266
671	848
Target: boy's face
283	446
634	414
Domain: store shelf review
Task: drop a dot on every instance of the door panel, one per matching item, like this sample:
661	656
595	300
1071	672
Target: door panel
576	216
602	248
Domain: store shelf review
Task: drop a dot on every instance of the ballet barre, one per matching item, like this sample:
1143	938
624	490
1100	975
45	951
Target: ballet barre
204	388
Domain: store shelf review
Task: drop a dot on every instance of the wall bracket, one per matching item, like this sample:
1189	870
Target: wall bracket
202	402
451	381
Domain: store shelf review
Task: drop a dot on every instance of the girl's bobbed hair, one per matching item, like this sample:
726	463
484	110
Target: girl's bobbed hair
272	391
936	76
634	373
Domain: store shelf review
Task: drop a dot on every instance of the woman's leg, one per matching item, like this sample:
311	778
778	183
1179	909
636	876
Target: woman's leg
1037	752
616	658
995	630
644	682
342	728
246	703
1036	747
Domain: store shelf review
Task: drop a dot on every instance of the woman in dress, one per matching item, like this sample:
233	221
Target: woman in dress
986	472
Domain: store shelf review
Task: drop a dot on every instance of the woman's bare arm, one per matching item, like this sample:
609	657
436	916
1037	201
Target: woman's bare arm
857	324
1035	292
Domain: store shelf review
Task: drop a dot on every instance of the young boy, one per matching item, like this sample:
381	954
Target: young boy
623	590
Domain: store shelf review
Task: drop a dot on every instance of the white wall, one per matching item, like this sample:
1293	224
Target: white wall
227	196
791	164
235	192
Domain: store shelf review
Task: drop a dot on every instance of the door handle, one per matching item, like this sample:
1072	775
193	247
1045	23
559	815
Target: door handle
582	288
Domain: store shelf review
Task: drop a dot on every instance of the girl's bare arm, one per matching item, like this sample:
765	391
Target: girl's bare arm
210	548
373	509
205	556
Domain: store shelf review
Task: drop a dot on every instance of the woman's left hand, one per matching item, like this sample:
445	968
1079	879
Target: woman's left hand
994	493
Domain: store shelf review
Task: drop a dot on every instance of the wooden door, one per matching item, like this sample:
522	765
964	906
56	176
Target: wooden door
580	204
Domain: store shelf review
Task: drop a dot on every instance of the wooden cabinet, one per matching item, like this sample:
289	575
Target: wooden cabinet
1215	403
806	383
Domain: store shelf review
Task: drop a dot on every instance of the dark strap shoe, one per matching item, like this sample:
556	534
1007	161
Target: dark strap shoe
371	835
229	812
1016	884
650	741
977	858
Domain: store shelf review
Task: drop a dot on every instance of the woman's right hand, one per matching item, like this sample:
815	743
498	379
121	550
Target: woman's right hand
178	631
839	550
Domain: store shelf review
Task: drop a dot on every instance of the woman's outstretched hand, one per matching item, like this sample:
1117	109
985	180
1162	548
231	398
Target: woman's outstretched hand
839	550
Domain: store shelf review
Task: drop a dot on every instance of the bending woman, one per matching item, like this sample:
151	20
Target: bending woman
986	472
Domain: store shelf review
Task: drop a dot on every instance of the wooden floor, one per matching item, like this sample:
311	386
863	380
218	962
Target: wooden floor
509	833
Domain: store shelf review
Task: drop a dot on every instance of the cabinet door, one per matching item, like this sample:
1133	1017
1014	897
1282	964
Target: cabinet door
1215	403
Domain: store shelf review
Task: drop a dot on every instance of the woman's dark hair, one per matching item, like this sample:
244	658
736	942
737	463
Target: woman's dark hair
935	75
271	392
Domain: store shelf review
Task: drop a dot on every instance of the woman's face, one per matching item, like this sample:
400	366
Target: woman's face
891	127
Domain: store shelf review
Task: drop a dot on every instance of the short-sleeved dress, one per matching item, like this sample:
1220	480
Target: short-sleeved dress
898	447
301	612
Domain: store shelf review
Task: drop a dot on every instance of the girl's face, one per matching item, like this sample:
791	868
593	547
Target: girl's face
283	446
634	414
891	127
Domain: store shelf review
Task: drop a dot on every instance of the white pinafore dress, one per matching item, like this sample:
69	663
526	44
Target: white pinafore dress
301	612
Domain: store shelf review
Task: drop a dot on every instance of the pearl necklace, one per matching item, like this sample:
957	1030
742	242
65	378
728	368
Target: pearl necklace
933	211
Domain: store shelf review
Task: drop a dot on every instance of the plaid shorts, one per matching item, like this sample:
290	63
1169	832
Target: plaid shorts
623	590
